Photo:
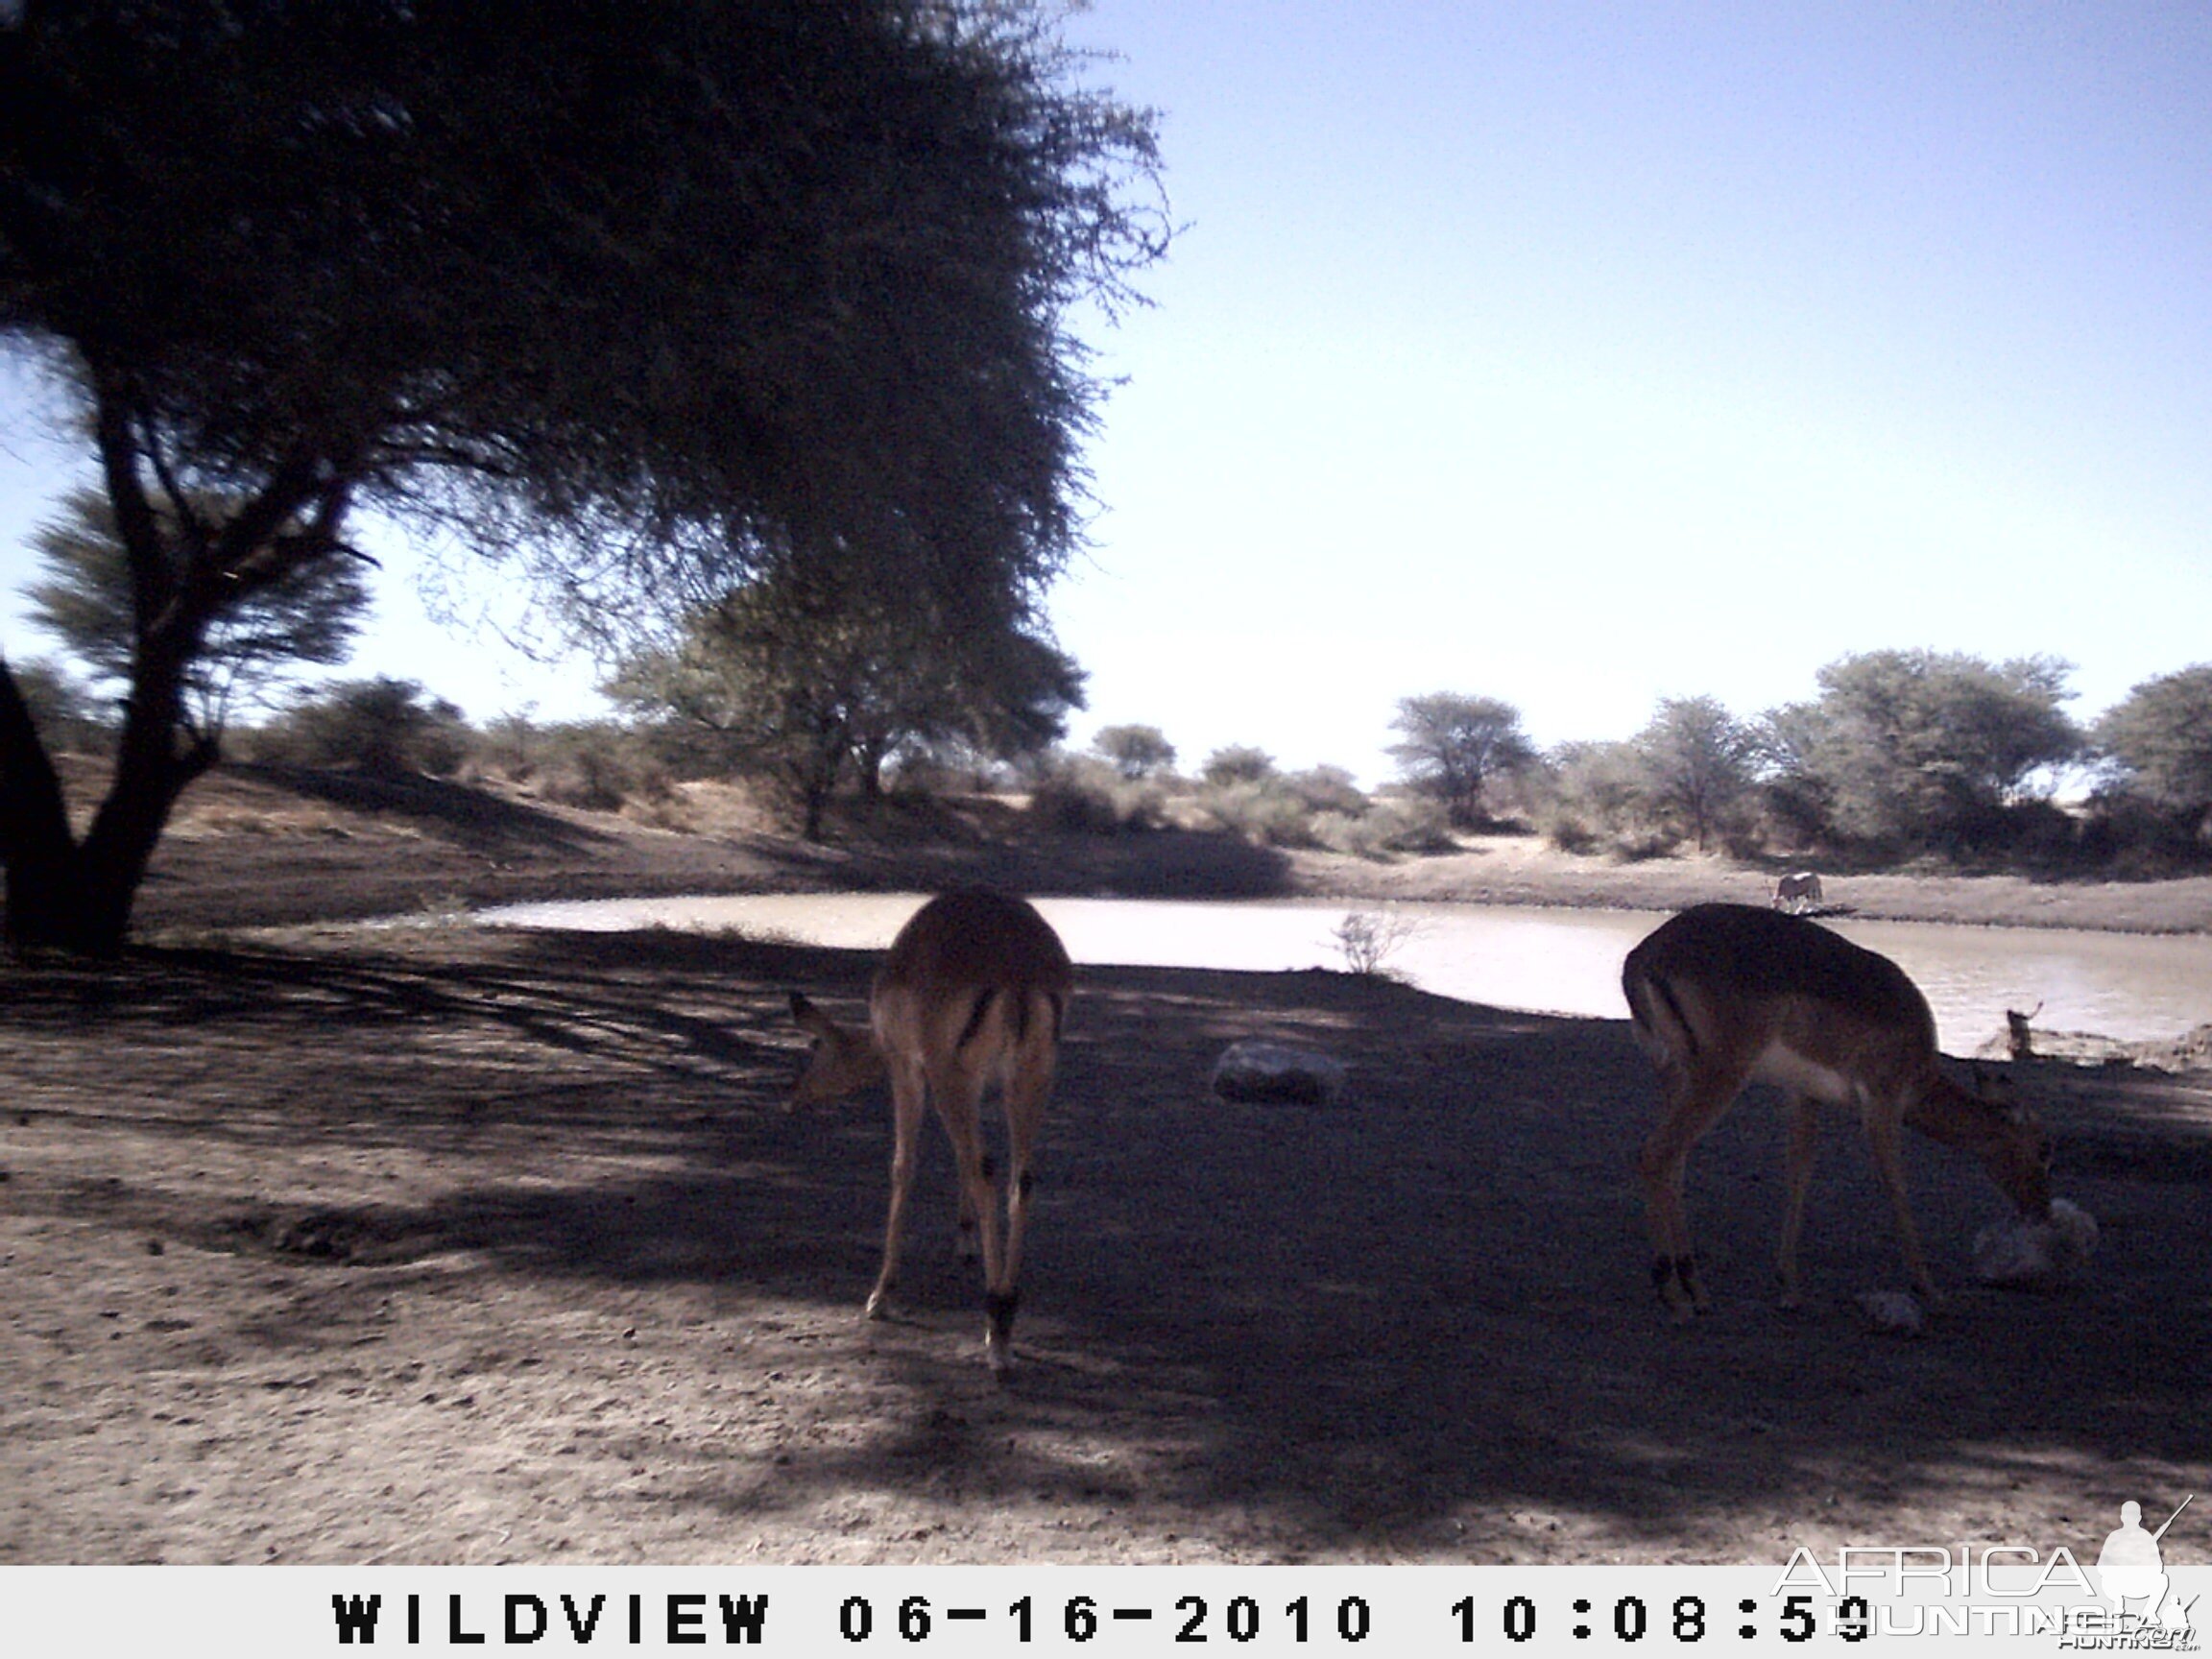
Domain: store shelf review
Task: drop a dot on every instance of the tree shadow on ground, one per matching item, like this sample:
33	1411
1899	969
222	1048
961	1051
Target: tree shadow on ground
1312	1331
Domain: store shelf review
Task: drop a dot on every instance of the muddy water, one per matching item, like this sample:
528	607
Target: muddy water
2127	986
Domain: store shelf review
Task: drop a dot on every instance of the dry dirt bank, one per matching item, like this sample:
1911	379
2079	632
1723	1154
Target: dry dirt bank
265	847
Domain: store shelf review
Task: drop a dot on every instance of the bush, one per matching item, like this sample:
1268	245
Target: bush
1135	751
600	767
508	748
1394	824
1091	797
1327	789
385	727
1266	814
1369	938
943	769
1238	763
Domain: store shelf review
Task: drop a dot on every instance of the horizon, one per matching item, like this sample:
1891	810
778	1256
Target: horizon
1581	356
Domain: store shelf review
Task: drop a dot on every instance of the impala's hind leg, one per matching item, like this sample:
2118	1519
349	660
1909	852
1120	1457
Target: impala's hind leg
1804	1142
1028	1084
956	1087
909	1102
1696	1099
964	1244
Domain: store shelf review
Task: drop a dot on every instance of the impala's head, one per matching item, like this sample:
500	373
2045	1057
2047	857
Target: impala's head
842	1060
1982	1116
2017	1153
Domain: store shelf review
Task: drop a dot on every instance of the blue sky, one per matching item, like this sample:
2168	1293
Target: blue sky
1586	355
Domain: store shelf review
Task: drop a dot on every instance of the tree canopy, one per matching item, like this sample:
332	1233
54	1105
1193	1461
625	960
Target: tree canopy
654	299
1698	761
2159	738
1238	763
1135	750
310	614
1454	745
1923	745
814	678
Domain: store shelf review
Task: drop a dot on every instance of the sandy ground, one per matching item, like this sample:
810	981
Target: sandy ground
433	1244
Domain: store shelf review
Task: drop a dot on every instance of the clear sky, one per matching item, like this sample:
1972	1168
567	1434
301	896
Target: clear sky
1586	355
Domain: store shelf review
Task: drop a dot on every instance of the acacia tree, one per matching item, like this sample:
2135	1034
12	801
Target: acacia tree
1598	791
1238	763
815	680
311	614
1135	750
1920	746
647	298
2160	741
1697	761
1454	745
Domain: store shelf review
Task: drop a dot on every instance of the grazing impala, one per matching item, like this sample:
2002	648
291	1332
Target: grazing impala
1798	891
971	993
1726	993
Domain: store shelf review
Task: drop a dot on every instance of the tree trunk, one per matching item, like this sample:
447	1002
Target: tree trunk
35	841
868	762
76	896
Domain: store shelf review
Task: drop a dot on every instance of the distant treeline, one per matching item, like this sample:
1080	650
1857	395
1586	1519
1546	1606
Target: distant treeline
1901	756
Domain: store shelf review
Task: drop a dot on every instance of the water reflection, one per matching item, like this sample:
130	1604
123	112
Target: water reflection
2126	986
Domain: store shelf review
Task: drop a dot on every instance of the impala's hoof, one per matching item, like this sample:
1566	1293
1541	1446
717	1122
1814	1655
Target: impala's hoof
1676	1279
998	1309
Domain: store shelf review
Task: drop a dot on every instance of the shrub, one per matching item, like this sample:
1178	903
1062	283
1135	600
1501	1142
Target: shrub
508	748
1266	814
1238	763
1393	823
385	727
599	767
1369	938
1085	796
1327	789
1135	751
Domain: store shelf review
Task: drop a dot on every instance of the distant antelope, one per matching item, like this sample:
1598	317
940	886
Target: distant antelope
973	993
1797	891
1723	995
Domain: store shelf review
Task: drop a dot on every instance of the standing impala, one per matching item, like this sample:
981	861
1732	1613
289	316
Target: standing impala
1726	993
971	993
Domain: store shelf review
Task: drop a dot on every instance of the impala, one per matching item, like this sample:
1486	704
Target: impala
1723	995
971	993
1798	891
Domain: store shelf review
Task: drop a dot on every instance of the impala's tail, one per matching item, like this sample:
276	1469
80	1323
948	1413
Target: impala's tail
1651	1001
1020	1014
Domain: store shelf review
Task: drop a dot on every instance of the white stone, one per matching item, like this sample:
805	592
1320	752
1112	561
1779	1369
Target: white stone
1891	1311
1274	1072
2034	1253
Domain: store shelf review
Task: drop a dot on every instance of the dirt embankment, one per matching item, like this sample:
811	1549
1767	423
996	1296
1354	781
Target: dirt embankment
270	847
433	1244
